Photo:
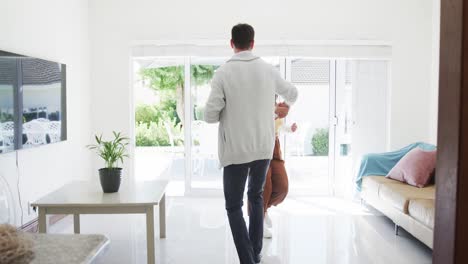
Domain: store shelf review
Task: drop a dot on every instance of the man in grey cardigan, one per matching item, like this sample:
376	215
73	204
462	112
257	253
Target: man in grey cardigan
242	100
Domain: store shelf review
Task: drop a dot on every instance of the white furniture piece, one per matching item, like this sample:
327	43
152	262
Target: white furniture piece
207	148
70	249
35	131
1	143
298	139
54	131
407	206
87	198
7	131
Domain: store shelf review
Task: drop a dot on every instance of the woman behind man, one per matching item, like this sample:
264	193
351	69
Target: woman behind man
276	184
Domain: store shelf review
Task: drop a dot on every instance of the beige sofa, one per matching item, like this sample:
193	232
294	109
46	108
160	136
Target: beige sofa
409	207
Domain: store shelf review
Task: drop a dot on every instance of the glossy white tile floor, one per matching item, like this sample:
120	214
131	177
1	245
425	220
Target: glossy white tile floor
306	230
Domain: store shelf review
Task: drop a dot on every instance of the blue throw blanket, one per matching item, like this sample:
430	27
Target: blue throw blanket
380	164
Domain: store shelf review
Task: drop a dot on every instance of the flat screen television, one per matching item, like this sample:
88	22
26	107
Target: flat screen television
32	102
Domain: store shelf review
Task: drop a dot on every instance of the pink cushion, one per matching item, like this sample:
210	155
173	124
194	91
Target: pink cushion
415	168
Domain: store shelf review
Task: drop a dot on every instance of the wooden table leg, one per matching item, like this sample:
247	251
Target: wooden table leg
150	234
162	217
76	223
42	220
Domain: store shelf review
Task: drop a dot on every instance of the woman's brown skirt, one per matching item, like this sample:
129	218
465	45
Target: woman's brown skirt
276	184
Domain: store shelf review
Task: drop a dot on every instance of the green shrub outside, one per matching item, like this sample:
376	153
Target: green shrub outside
145	113
150	124
320	142
4	117
156	135
169	84
151	135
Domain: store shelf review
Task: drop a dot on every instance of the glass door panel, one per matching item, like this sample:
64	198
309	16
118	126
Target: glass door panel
206	172
361	111
158	85
306	151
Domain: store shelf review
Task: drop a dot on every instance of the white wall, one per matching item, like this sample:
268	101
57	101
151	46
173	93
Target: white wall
434	94
56	30
407	25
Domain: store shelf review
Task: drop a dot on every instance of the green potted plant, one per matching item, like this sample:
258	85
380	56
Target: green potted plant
112	152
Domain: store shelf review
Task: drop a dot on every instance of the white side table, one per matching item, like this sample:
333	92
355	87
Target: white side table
87	198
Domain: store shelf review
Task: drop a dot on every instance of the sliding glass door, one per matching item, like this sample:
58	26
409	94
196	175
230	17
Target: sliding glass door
334	124
361	123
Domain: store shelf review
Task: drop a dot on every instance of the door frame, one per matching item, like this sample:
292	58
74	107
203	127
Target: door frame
188	108
450	230
333	122
188	114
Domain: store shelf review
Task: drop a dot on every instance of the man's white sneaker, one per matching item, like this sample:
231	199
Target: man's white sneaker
267	233
268	221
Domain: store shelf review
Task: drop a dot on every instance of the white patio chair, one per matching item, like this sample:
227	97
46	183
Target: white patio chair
172	138
207	135
1	143
299	138
209	140
196	132
7	131
54	130
36	133
45	120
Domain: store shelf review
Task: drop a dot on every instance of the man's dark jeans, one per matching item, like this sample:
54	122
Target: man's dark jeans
248	243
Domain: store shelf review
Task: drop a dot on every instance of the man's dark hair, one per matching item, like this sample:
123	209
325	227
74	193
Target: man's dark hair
242	35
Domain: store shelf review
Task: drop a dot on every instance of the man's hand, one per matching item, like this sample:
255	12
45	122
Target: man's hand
281	111
294	127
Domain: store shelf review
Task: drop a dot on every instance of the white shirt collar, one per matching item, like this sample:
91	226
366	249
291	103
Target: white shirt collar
245	55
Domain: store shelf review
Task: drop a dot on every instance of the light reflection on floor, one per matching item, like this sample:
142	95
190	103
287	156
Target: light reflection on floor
306	230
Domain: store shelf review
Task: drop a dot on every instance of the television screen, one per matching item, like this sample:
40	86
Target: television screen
32	102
